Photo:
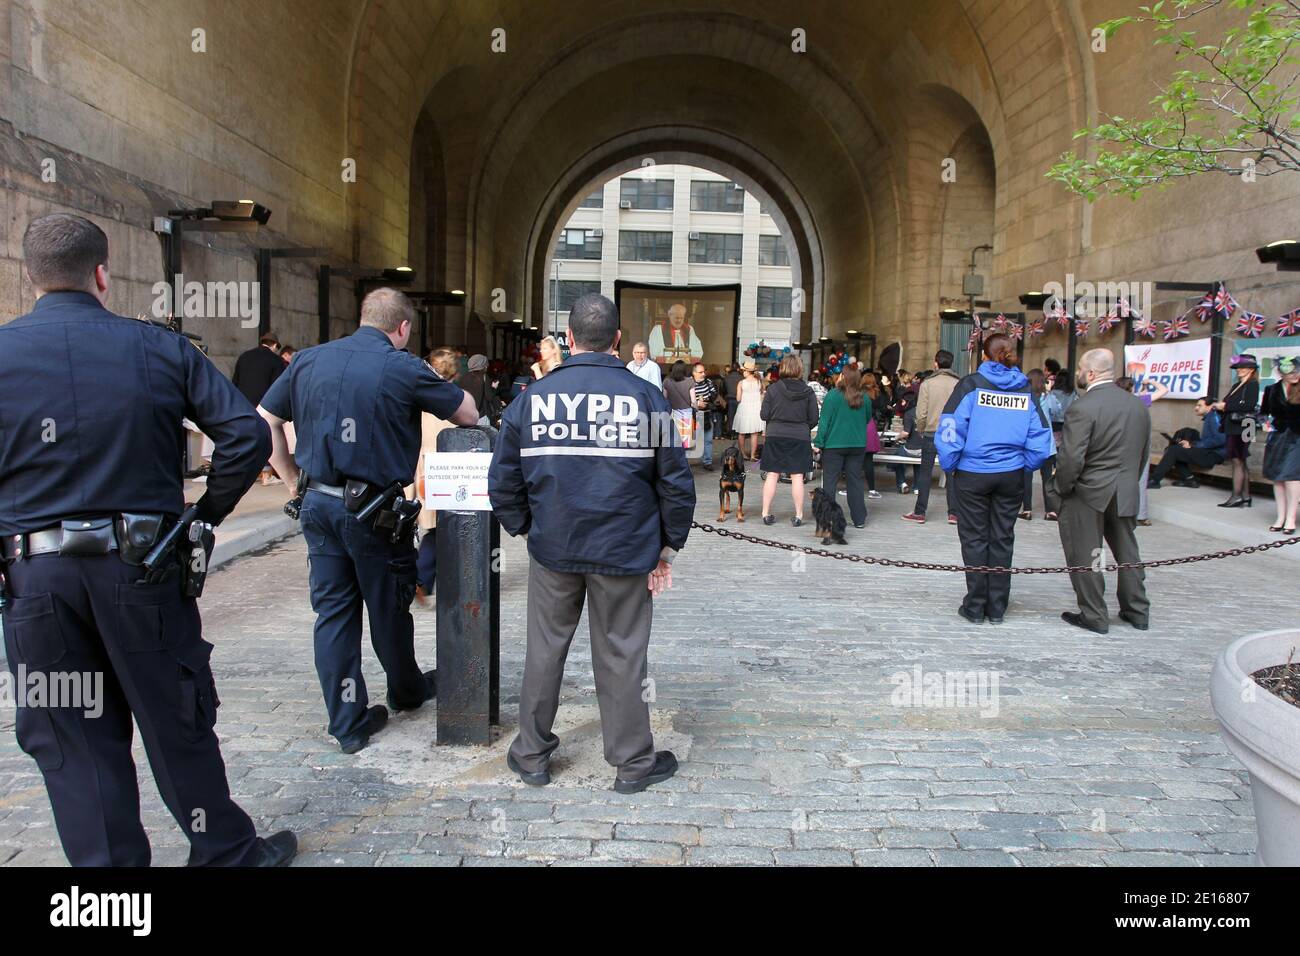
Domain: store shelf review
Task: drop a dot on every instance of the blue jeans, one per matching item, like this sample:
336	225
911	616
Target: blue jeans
705	419
352	565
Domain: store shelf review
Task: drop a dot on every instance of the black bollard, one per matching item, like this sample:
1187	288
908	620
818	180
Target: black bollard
468	600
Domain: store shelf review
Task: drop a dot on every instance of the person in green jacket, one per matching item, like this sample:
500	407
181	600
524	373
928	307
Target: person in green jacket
842	437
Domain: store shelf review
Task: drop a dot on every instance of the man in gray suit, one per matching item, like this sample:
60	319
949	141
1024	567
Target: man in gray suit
1107	437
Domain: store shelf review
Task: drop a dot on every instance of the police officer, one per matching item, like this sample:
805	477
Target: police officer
356	403
990	431
586	467
90	476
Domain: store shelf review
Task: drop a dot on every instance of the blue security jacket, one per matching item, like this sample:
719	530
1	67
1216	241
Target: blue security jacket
992	430
587	467
1212	437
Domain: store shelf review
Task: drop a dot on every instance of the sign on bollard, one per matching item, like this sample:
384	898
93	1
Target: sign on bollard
468	587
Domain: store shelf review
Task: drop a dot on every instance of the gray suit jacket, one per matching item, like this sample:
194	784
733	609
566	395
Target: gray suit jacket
1106	440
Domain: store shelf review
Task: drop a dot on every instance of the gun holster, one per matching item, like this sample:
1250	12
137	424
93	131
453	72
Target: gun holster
200	540
293	507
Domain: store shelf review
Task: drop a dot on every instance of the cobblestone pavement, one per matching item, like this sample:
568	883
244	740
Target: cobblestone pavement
782	684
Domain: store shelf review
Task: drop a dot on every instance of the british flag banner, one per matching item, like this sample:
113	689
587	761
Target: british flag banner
1036	326
1059	313
1223	302
1288	324
1107	322
1144	327
1175	328
1250	324
1081	328
1015	330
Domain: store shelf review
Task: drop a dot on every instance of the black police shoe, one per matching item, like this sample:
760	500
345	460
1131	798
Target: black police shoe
961	610
431	691
1073	617
664	767
539	779
376	720
276	850
1186	483
1140	623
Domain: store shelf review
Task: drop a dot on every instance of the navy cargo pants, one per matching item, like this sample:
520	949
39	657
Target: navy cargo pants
352	565
117	650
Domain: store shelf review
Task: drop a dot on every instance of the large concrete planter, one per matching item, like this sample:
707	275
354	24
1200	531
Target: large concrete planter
1263	732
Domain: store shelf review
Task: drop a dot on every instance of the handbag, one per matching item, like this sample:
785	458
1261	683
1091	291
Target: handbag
873	437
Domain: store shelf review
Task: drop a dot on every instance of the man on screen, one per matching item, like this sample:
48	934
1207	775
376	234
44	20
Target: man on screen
674	340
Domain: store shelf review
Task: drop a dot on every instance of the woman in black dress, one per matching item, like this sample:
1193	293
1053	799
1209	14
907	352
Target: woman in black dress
1282	454
1238	409
790	412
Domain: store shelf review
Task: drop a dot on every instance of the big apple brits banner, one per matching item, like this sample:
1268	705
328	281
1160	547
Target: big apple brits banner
1183	366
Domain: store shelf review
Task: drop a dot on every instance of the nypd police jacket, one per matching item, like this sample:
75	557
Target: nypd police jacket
586	465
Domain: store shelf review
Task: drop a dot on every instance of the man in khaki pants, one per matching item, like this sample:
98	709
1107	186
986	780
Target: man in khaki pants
586	468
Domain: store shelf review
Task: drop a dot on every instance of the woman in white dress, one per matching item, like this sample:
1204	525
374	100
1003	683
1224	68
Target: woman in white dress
748	422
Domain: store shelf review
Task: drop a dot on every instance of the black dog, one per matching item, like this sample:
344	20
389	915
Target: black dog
829	517
732	480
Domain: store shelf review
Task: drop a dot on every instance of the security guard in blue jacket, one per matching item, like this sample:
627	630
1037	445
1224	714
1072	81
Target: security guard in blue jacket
91	451
991	432
587	466
356	405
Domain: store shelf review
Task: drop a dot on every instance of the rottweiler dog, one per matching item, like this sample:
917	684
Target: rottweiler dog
732	480
829	517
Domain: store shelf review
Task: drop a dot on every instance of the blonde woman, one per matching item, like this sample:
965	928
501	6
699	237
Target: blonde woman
748	423
445	363
551	356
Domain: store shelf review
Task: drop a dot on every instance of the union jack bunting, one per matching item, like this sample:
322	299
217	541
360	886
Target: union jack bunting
1036	326
1288	324
999	323
1107	322
1250	324
1059	313
1223	303
975	336
1144	327
1081	328
1125	311
1015	330
1176	328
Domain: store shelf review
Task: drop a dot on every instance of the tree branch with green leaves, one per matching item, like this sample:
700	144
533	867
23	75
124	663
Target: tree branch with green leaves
1232	107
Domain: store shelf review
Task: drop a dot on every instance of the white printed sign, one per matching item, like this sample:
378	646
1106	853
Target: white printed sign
1183	366
1004	401
457	481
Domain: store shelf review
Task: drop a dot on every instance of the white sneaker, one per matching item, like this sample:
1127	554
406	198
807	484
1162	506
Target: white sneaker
903	488
873	494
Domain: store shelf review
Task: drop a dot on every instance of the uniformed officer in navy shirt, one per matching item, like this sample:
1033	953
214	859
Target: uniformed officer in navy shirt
356	405
91	447
587	467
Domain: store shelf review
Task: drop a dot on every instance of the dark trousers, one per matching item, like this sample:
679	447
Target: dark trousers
618	618
426	561
1050	501
351	565
1177	458
85	618
732	405
925	477
848	462
987	506
1082	531
869	466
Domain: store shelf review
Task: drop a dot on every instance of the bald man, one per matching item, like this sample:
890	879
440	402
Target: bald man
1105	441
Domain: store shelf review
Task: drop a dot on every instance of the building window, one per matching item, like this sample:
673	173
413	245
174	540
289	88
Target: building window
578	244
720	247
571	290
595	201
646	194
717	197
772	251
644	246
773	302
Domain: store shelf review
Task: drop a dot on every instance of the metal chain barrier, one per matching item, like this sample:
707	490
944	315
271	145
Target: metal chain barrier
926	566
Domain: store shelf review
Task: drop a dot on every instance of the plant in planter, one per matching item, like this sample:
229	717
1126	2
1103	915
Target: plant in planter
1254	689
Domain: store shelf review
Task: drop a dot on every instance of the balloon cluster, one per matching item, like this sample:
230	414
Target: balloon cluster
761	349
836	362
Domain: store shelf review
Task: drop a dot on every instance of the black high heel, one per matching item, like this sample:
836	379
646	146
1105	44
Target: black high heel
1236	501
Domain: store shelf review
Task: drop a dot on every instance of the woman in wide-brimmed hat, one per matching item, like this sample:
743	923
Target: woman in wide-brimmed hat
748	423
1238	408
